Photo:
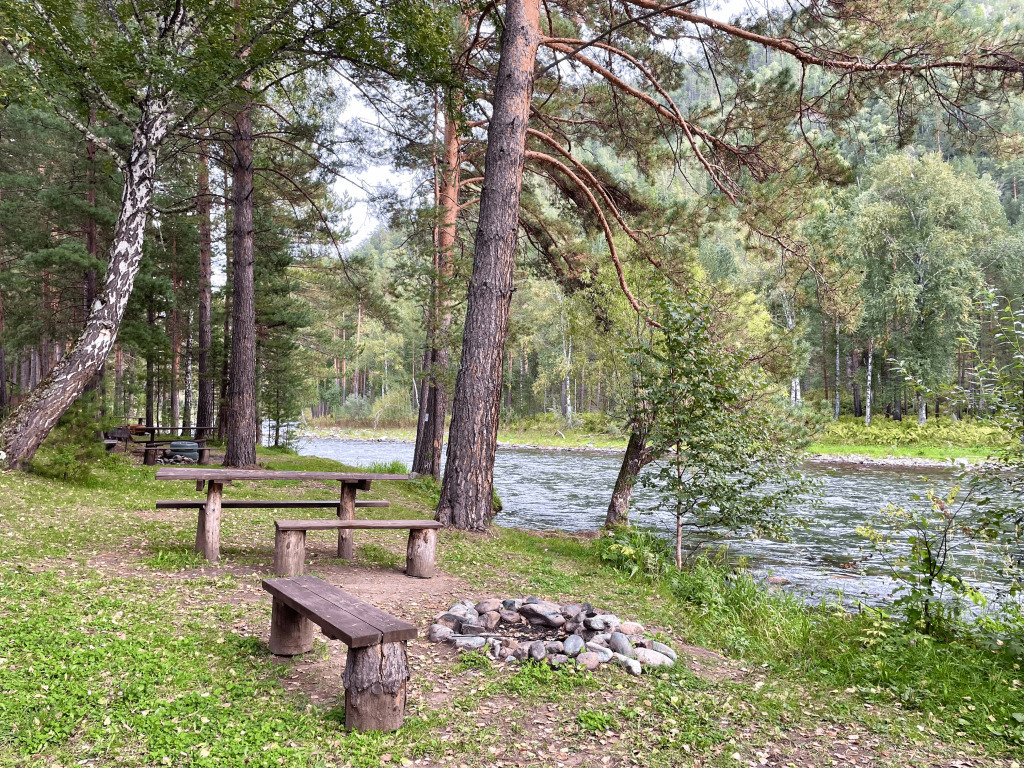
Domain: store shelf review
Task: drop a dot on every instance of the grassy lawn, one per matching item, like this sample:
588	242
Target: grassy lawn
119	647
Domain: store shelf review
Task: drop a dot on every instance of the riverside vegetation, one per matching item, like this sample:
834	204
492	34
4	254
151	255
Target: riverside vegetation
118	646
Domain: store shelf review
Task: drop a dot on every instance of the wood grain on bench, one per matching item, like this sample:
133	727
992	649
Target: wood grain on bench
364	525
226	473
340	615
269	504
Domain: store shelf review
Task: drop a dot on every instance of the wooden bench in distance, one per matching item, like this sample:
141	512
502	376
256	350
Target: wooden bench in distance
269	504
290	542
377	667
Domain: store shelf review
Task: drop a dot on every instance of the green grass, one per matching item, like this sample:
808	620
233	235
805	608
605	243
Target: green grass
118	647
933	452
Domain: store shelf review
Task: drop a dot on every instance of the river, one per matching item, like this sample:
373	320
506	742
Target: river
569	491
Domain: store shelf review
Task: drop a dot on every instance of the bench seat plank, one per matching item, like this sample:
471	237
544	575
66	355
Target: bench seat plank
226	473
391	628
269	504
339	614
361	525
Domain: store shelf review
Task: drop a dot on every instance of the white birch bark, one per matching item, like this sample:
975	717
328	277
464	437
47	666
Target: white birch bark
29	424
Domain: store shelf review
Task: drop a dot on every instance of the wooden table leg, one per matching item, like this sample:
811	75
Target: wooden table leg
210	522
347	511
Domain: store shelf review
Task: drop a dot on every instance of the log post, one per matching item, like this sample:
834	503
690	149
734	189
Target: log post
347	511
375	685
208	533
419	555
289	552
291	633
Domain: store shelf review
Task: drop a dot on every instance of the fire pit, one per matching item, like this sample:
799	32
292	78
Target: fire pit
516	630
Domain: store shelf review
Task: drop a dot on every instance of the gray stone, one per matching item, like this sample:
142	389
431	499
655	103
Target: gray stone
778	581
521	653
574	623
557	659
473	628
537	650
464	643
489	620
469	604
631	628
605	622
603	654
494	645
537	613
486	606
504	653
571	609
554	646
650	658
511	643
512	605
589	660
630	665
619	643
451	620
510	617
532	600
664	650
642	642
463	611
573	645
438	633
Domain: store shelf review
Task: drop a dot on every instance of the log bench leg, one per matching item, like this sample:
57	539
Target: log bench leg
204	455
291	633
347	511
375	685
289	552
419	555
148	457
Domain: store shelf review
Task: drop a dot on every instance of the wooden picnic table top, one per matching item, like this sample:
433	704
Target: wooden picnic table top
221	474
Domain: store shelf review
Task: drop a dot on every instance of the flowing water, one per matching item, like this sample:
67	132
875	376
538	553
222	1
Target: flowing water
569	491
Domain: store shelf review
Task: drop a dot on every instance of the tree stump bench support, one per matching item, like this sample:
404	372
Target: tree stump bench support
290	542
377	668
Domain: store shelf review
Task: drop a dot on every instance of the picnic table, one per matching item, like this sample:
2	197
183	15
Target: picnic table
214	478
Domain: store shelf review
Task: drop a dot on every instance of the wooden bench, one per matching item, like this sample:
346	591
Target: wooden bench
290	542
151	447
214	478
377	667
270	504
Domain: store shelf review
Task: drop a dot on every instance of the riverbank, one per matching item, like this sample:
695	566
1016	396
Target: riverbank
120	646
927	456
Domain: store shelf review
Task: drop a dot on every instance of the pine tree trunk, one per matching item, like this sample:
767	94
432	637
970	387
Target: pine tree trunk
433	405
205	405
835	412
175	320
23	431
468	489
637	457
241	431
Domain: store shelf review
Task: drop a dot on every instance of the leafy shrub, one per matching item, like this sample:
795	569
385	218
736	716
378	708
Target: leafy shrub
74	448
636	551
849	430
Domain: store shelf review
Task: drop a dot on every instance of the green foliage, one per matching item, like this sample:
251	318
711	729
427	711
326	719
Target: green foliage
920	551
848	430
726	456
74	448
637	551
595	721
